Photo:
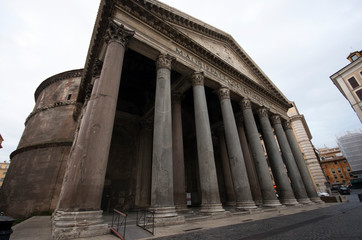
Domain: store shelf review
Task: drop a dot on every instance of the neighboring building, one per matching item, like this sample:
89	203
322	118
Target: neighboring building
137	128
348	80
3	170
1	141
351	147
335	166
304	137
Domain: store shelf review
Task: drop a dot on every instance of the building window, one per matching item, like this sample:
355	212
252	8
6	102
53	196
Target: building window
348	169
344	160
340	175
359	94
4	173
353	82
354	57
339	170
332	169
335	176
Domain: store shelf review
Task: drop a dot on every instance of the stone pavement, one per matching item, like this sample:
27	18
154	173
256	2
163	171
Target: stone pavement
39	227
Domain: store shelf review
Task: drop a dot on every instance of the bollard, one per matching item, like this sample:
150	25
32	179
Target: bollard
360	197
5	227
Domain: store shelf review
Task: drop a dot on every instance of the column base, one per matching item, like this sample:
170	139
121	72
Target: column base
245	205
289	202
271	203
211	208
182	208
316	200
166	216
163	212
305	201
230	203
71	225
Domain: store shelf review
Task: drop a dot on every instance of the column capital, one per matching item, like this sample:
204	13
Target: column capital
262	112
275	119
287	125
224	93
197	78
164	61
117	33
245	104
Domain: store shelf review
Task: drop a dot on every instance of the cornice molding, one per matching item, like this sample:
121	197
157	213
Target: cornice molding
41	145
56	78
54	105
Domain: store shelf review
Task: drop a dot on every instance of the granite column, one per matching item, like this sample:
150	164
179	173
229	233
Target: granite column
210	198
178	154
276	162
293	171
299	159
244	198
249	164
78	213
257	152
229	187
162	201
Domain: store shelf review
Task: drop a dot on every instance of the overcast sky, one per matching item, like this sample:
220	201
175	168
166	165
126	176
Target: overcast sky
298	44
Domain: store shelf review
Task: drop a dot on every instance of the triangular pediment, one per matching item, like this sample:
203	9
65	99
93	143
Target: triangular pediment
224	51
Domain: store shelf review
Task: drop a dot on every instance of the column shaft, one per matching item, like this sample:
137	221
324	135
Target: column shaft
293	171
303	169
83	184
162	201
244	199
279	172
250	167
261	165
78	213
230	194
178	154
210	199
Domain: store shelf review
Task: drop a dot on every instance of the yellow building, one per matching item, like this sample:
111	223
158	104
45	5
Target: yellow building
348	80
335	166
3	169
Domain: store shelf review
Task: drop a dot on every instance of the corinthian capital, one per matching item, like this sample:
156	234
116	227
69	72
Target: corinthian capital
245	104
164	61
197	78
117	33
224	93
275	119
287	125
262	112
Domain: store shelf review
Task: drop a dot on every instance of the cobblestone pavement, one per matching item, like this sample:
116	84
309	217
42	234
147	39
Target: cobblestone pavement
342	221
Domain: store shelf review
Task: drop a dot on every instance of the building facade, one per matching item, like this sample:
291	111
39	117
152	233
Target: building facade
166	105
350	145
304	137
335	166
348	80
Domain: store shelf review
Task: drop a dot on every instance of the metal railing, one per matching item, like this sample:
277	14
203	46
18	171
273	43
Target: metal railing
146	220
119	224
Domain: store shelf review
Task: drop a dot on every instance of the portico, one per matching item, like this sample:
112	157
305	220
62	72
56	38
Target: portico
161	121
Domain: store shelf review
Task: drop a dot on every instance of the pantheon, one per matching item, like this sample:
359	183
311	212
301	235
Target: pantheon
165	107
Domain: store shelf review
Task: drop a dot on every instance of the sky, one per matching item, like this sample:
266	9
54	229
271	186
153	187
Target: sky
297	44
